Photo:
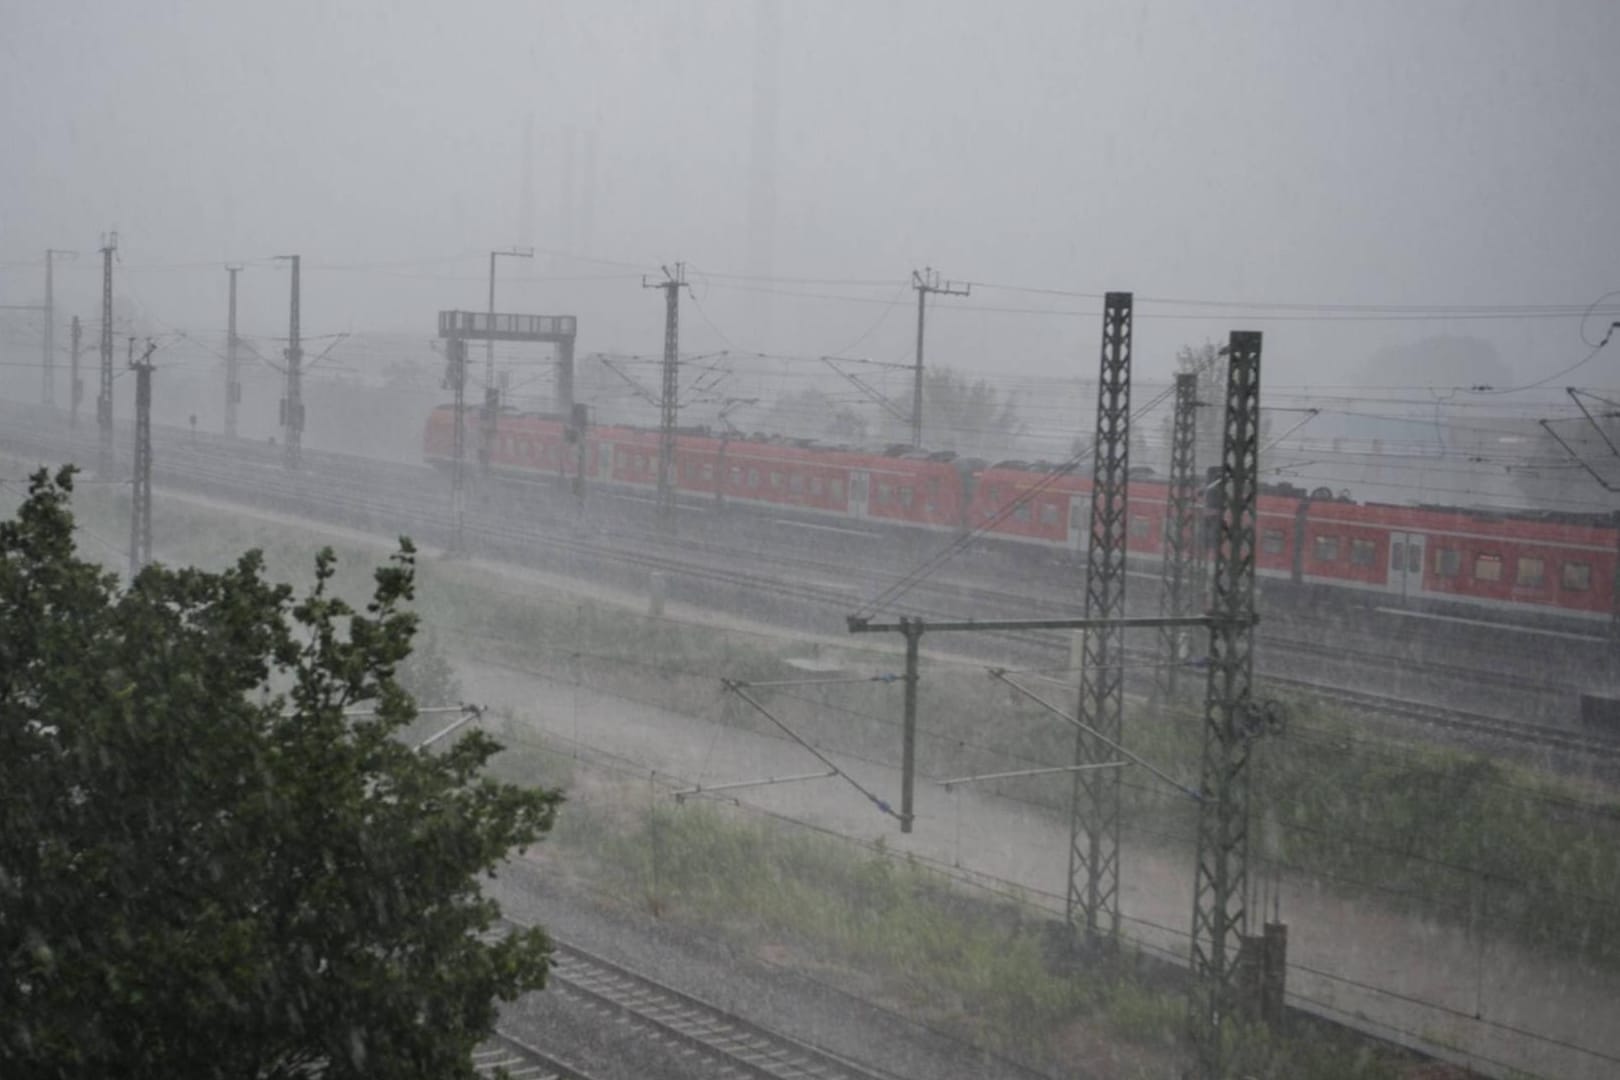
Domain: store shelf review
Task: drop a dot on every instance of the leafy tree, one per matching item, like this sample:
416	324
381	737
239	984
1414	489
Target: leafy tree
216	858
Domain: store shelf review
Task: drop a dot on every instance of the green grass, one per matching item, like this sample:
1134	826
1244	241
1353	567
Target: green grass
980	966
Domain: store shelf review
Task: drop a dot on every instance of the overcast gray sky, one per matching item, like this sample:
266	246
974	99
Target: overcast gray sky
1368	153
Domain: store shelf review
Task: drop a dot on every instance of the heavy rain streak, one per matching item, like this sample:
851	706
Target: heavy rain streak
810	538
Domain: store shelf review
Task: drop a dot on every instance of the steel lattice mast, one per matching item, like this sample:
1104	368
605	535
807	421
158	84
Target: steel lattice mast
1094	822
1220	915
1180	526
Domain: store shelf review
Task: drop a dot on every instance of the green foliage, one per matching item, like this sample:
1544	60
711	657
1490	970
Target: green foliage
1469	837
209	866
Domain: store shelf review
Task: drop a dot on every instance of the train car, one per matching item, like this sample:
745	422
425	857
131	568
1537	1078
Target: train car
1458	558
1407	556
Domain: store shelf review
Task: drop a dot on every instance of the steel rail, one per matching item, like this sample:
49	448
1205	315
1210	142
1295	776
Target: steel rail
746	1048
520	1060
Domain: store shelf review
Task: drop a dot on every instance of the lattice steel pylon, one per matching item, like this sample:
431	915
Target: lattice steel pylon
1094	819
1220	915
1179	593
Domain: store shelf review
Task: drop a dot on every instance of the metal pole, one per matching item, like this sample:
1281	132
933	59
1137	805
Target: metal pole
457	348
1093	895
292	408
925	282
913	631
492	391
140	510
233	385
76	391
917	372
489	343
1220	916
48	366
1180	525
104	403
492	395
580	423
565	375
668	401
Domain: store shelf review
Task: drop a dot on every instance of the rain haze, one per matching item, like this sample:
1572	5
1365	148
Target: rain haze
1432	154
777	522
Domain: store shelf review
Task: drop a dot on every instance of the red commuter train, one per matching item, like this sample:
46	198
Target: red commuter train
1544	564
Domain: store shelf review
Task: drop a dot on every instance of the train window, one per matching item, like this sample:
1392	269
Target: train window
835	487
796	483
1272	541
1447	562
776	479
1487	568
753	478
736	476
1022	512
884	493
1577	576
1397	555
1532	572
1326	549
933	488
1363	553
1141	527
815	485
708	474
1049	514
905	497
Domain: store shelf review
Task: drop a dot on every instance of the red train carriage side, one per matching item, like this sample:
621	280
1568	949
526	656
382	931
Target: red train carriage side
1477	559
1409	555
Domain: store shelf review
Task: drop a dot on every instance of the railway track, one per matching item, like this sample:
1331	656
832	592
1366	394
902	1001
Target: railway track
734	1046
359	493
1540	735
520	1060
